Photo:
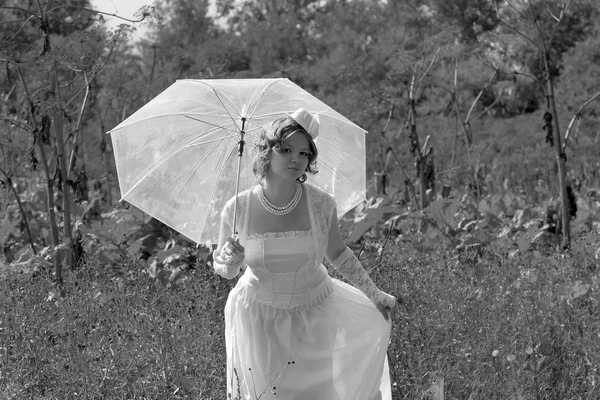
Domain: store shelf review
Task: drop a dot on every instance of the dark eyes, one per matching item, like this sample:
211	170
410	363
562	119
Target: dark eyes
286	150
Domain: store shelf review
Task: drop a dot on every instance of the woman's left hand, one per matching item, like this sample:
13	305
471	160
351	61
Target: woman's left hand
387	312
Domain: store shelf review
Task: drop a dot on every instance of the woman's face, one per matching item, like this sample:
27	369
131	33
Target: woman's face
291	160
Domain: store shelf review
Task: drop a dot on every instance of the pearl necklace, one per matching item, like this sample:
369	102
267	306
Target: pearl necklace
275	210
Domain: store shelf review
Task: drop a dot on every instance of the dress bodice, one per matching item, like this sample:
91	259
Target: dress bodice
284	269
280	252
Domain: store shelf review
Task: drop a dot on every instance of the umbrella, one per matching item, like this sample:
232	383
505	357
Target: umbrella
181	156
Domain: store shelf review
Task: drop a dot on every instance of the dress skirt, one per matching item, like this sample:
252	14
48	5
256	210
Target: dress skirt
332	347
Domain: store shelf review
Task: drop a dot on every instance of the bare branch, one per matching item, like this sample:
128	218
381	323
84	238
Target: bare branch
426	72
21	209
487	85
28	95
17	20
515	30
577	116
412	192
94	74
6	60
515	9
518	32
557	19
411	92
562	15
17	123
31	150
389	119
488	108
12	22
40	8
71	163
514	69
21	28
151	78
142	18
23	10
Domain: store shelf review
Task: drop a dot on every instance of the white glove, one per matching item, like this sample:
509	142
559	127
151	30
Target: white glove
230	259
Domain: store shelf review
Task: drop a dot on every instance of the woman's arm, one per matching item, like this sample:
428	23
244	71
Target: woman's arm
344	260
228	258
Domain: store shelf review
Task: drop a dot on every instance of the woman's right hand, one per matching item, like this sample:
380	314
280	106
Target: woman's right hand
232	253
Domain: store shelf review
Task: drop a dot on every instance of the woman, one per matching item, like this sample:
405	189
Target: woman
291	331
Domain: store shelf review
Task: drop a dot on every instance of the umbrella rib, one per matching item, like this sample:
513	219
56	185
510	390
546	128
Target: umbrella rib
193	169
258	127
209	123
347	121
186	115
214	189
231	133
256	100
207	142
259	95
118	128
222	101
343	178
151	170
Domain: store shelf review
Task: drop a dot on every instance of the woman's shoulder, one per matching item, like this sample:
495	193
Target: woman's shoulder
241	196
320	195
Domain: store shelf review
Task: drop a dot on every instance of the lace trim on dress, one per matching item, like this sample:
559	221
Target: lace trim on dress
279	235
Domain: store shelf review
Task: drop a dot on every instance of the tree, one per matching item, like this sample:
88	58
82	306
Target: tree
548	28
579	85
49	74
176	45
472	17
252	24
395	77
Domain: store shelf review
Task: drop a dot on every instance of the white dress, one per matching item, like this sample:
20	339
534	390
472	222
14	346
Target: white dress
292	331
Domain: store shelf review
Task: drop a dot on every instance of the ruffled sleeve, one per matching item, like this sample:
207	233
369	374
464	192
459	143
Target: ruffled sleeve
228	209
323	205
227	212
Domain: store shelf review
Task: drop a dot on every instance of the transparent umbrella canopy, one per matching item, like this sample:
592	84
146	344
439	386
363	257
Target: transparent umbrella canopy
181	156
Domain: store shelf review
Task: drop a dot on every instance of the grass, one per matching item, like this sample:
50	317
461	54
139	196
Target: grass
493	327
113	338
498	328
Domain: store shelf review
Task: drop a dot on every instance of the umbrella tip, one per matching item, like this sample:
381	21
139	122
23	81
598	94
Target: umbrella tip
244	110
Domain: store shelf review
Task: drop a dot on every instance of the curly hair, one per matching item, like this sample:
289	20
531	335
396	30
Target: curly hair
272	137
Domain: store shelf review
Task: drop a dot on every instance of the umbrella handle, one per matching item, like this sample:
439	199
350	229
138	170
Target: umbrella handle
241	144
237	187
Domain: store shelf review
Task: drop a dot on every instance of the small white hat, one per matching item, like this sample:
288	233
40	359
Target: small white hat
308	121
